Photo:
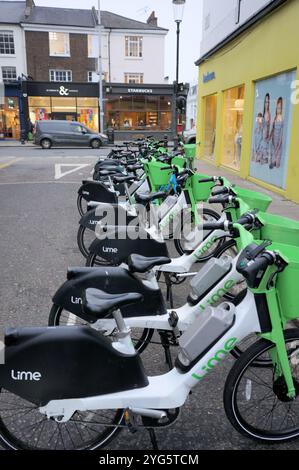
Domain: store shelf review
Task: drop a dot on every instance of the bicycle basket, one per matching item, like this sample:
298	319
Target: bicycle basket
287	281
280	229
254	199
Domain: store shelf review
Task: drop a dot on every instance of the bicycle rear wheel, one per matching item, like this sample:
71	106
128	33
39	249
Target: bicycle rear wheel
23	427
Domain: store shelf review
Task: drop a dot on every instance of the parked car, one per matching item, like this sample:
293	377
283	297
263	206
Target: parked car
189	136
51	133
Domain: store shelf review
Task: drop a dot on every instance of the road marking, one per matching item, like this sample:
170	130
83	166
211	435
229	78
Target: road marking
58	169
38	182
5	165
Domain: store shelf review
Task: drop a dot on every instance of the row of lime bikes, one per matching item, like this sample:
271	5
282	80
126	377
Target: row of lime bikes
150	224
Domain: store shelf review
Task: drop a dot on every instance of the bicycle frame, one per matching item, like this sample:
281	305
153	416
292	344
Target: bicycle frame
168	390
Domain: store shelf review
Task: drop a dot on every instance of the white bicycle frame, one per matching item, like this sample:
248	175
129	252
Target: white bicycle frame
169	390
186	314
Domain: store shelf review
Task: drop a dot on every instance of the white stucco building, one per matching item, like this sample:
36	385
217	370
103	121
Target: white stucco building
12	42
221	18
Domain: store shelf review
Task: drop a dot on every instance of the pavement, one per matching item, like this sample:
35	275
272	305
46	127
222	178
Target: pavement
39	221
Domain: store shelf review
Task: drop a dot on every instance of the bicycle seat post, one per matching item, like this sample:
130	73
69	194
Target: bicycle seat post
124	341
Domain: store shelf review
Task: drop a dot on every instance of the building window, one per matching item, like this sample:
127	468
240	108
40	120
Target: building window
133	77
233	127
9	74
60	75
7	45
85	110
134	46
93	76
210	114
139	113
9	118
59	44
238	11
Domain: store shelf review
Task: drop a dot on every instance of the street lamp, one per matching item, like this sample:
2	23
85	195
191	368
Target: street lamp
178	10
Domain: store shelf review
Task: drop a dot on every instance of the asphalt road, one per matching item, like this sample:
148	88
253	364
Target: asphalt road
39	220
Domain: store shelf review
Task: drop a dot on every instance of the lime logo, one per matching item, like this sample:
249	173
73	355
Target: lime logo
219	294
205	248
216	359
169	219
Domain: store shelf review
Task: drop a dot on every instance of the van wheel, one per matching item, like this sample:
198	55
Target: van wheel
95	143
46	144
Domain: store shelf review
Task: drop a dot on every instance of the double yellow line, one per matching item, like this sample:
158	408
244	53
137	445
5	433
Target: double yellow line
5	165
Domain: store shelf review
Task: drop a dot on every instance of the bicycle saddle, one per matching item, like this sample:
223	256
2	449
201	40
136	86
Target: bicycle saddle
99	303
141	264
146	198
107	172
78	271
123	179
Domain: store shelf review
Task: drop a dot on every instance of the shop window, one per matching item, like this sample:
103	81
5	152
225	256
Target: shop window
39	108
233	127
59	44
272	126
63	105
133	77
7	45
139	113
139	102
134	46
210	114
165	103
9	118
60	75
9	74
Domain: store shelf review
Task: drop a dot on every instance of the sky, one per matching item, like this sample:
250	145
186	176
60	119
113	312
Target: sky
140	10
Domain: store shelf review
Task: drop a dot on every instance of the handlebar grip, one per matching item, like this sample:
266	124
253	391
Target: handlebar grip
221	199
220	191
254	271
166	168
213	226
207	180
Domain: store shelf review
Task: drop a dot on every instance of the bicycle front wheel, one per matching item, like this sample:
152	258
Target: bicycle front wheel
255	399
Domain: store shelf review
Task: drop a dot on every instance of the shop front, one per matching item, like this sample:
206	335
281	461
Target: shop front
10	112
248	101
140	110
69	101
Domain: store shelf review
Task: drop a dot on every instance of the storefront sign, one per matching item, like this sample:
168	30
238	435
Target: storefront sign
62	89
272	129
147	91
209	76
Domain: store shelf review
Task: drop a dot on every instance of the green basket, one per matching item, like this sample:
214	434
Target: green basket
179	162
201	191
287	284
190	151
280	230
157	177
253	199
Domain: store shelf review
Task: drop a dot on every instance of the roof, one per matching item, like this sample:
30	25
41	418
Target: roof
14	12
60	17
114	21
11	12
252	21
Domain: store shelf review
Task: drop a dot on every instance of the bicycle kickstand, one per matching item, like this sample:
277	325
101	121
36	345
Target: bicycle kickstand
153	438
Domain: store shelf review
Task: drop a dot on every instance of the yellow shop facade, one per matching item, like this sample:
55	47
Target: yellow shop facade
248	101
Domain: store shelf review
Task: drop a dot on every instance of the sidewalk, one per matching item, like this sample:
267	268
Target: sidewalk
279	206
14	143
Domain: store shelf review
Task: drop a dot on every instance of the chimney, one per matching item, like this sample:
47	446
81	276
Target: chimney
29	6
152	19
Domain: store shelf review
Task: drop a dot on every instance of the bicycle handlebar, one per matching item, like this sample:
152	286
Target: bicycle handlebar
222	199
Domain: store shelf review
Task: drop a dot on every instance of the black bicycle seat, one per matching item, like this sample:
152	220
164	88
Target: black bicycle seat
141	264
99	303
78	271
147	198
123	179
107	172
